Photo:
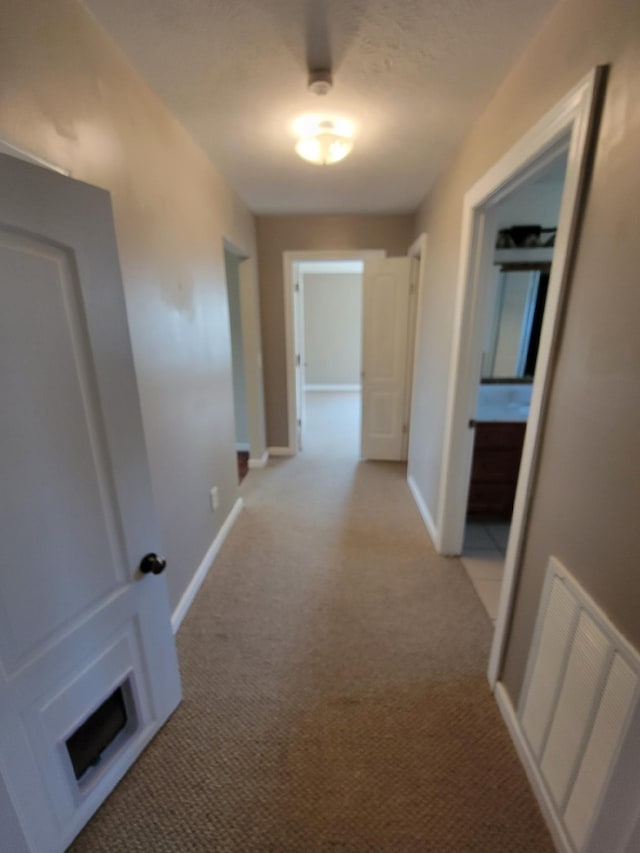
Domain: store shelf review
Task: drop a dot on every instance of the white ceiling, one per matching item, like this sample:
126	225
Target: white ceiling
410	74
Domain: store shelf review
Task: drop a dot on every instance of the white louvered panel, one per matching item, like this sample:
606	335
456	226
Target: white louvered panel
557	631
600	753
573	714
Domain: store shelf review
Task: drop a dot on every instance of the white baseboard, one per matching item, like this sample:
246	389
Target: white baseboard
424	512
280	451
242	445
547	807
259	463
334	387
203	569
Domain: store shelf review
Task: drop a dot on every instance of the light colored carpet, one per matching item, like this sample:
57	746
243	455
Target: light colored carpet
335	696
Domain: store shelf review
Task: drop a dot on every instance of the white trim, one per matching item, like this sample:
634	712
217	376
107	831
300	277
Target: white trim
30	157
251	345
240	253
203	569
288	259
280	451
335	387
547	807
566	127
331	267
261	462
243	446
424	512
417	252
418	248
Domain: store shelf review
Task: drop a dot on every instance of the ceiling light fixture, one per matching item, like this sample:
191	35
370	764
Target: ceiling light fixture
323	141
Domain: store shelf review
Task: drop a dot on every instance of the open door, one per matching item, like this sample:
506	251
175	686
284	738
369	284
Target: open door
385	357
298	307
88	667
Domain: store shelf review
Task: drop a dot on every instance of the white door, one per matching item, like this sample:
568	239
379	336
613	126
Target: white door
385	341
79	622
301	381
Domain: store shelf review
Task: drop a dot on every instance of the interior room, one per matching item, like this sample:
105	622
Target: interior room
311	660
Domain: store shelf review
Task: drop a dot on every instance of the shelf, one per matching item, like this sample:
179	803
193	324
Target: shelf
538	255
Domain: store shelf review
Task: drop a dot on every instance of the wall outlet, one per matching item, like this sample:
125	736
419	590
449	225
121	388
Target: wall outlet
214	498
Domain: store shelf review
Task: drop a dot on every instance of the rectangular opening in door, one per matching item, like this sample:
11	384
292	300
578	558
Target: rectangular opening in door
103	733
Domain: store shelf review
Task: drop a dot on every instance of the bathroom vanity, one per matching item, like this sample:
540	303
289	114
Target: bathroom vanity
494	471
500	423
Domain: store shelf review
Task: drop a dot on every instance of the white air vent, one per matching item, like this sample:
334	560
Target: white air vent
580	691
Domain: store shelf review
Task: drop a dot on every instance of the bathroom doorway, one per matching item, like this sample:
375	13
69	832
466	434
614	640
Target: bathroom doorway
568	128
516	287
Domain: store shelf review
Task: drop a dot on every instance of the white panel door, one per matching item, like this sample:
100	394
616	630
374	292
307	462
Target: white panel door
385	338
79	620
301	381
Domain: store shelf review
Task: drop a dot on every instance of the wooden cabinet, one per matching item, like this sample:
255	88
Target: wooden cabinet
494	473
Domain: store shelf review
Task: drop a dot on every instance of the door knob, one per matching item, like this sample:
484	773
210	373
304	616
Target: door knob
152	563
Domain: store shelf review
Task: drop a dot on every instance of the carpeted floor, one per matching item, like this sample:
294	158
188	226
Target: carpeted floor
335	696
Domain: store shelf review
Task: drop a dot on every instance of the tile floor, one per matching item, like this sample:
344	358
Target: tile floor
483	558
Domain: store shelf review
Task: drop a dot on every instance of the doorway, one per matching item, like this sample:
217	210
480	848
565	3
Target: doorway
526	224
232	263
389	295
246	359
343	263
567	129
328	333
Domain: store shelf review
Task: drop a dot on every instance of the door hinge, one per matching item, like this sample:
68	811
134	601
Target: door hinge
297	361
296	287
405	429
300	422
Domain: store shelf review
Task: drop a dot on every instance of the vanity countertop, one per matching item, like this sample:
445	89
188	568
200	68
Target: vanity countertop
506	402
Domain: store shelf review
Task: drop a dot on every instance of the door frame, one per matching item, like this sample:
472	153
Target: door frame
252	352
568	127
289	258
417	250
19	153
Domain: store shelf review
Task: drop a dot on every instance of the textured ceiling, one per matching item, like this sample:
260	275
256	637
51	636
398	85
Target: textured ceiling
410	74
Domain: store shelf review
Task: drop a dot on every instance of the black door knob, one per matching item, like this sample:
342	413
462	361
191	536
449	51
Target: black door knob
152	563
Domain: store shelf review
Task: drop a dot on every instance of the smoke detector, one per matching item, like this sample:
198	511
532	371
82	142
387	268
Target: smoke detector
320	82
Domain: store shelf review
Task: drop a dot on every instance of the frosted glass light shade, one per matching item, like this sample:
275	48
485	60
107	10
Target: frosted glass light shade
324	145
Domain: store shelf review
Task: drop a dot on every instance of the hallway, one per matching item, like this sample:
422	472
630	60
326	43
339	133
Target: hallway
335	695
331	424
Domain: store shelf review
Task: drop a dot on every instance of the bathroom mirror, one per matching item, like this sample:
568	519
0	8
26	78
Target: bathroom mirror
512	338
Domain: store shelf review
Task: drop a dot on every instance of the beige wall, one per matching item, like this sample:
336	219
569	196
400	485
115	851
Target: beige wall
332	328
532	204
67	94
277	234
587	496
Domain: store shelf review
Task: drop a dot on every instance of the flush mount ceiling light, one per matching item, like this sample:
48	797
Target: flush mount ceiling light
323	141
